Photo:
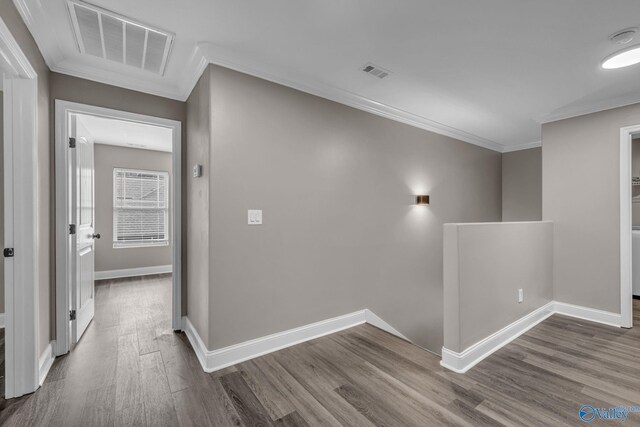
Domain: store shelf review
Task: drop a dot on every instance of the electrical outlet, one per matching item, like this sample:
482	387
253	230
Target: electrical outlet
254	217
520	295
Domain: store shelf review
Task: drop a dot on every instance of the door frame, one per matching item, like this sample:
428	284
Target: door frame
63	204
626	289
22	273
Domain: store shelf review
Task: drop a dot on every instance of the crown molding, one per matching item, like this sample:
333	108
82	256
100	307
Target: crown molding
213	55
193	71
581	110
520	147
34	16
14	62
118	79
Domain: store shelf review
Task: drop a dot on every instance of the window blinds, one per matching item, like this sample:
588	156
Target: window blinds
140	208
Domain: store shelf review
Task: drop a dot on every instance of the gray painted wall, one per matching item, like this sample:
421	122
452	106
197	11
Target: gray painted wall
199	122
108	157
340	232
45	243
581	195
522	185
484	266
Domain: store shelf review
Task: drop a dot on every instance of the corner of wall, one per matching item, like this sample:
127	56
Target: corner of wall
197	198
451	283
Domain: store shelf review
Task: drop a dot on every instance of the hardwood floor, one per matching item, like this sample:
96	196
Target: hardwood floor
131	369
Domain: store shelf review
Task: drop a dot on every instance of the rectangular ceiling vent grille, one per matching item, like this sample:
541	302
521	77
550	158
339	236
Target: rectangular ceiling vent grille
375	71
113	37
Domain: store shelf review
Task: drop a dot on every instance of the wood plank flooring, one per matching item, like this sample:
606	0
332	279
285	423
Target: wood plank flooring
131	369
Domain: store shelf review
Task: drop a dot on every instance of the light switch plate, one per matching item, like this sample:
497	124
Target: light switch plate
254	217
197	171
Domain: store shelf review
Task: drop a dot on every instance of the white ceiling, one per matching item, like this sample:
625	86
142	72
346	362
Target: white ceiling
123	133
487	72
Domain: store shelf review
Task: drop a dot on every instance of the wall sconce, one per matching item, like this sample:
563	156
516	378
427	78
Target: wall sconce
422	200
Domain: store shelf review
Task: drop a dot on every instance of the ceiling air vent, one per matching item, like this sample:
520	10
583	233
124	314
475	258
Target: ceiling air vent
113	37
376	71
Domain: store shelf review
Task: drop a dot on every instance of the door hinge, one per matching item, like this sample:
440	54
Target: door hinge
72	143
72	229
8	252
72	315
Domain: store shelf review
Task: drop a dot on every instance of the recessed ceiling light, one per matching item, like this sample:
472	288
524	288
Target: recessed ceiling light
623	58
624	36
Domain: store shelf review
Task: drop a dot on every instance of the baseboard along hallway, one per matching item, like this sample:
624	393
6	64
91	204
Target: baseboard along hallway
130	368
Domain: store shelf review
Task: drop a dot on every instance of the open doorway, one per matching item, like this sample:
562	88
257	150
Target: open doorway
629	223
117	222
635	221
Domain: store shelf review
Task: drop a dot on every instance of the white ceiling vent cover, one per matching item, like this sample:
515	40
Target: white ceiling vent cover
376	71
113	37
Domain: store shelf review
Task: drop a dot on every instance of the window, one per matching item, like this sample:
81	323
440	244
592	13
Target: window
140	208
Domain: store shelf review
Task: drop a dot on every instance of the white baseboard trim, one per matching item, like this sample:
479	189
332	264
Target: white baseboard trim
133	272
590	314
45	362
218	359
458	362
371	318
2	324
462	362
196	342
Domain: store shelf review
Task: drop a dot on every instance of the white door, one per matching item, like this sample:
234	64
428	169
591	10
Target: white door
82	242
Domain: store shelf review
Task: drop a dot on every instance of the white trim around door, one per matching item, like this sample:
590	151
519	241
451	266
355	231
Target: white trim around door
626	296
62	197
22	275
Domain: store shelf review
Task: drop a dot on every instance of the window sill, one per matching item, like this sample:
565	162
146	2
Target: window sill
139	245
